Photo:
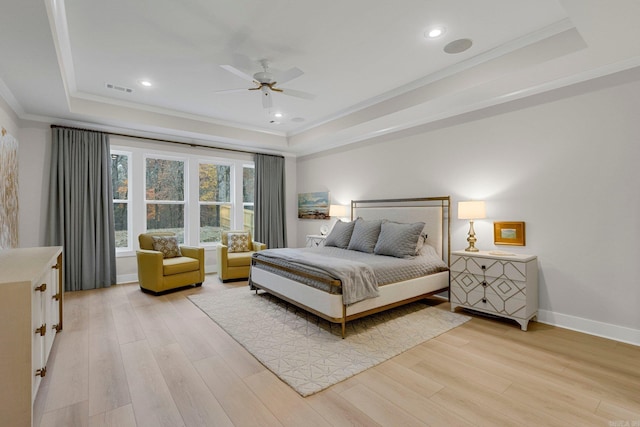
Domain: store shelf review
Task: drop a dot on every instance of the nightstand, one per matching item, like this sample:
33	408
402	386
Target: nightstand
315	240
502	285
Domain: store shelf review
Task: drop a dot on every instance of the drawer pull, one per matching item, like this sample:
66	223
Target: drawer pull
42	287
484	267
484	300
42	330
56	297
41	372
56	328
55	267
484	284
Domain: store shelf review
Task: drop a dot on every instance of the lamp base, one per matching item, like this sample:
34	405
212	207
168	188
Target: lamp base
471	239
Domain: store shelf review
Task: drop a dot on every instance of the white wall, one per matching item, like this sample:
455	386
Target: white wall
568	168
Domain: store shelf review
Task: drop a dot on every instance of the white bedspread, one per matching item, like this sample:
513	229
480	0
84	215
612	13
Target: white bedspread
358	279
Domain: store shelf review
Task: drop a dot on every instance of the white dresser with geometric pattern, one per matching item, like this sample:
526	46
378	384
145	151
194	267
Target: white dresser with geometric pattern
502	285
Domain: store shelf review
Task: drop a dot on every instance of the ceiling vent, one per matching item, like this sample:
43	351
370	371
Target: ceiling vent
118	88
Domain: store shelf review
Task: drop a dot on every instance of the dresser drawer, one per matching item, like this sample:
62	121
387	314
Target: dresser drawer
513	270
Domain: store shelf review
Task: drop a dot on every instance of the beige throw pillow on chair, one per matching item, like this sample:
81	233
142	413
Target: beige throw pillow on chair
238	242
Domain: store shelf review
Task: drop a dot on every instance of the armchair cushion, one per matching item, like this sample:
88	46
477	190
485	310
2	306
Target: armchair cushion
168	245
178	265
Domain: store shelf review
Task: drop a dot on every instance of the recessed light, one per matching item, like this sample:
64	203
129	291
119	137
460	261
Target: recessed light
434	32
145	83
278	115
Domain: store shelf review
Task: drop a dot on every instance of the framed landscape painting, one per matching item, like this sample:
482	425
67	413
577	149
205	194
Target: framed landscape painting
508	233
313	205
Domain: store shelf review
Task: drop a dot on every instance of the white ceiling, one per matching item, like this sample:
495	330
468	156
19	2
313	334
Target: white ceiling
368	63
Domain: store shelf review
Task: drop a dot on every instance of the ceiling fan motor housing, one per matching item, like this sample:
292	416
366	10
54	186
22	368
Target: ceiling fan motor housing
263	77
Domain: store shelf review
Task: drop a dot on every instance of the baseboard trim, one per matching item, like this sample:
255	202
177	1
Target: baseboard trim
591	327
126	278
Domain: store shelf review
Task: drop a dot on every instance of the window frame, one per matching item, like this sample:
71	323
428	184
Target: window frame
185	192
137	205
129	247
232	207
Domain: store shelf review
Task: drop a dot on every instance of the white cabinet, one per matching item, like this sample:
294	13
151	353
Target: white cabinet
505	286
31	298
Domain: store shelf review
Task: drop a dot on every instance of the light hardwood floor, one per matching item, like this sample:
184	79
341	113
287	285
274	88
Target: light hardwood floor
126	358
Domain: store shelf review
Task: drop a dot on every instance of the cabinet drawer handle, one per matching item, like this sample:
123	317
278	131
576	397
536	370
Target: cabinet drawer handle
56	297
42	330
56	328
41	372
484	284
55	267
42	287
484	267
484	300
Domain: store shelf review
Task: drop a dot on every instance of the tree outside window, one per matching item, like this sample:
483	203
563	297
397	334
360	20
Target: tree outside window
164	195
216	209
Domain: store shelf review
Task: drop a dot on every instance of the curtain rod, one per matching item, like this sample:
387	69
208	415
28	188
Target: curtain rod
190	144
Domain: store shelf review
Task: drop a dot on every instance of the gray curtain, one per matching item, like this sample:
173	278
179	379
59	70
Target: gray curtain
81	208
269	202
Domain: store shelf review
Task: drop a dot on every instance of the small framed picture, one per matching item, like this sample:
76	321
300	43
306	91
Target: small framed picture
508	233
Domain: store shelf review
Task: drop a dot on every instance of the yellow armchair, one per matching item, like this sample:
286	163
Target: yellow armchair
157	274
234	266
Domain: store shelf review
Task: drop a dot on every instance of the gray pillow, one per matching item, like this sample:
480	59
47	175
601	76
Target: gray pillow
365	235
340	235
398	240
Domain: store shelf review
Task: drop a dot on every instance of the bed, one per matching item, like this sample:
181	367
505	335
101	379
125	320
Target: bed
326	290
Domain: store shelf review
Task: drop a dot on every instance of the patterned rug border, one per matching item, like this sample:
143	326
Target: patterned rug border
307	352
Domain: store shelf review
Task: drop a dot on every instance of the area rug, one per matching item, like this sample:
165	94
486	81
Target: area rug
307	352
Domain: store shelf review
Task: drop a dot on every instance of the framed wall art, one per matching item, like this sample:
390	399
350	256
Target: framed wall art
313	205
8	191
509	233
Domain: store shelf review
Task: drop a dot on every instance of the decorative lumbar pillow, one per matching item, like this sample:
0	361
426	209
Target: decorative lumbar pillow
168	245
365	235
238	242
340	235
398	240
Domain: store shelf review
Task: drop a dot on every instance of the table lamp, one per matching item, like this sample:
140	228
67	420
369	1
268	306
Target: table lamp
471	210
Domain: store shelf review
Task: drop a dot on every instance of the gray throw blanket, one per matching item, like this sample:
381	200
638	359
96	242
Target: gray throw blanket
358	279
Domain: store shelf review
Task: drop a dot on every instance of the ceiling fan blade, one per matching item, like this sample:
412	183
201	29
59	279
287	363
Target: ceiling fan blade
231	90
237	72
266	99
288	75
299	94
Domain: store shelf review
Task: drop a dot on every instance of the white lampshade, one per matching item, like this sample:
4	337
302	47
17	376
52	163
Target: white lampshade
474	209
339	211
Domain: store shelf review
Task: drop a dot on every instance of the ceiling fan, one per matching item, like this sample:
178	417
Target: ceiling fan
266	82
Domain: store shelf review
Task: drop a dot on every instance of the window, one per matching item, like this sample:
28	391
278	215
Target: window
164	196
193	194
248	186
216	209
120	191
